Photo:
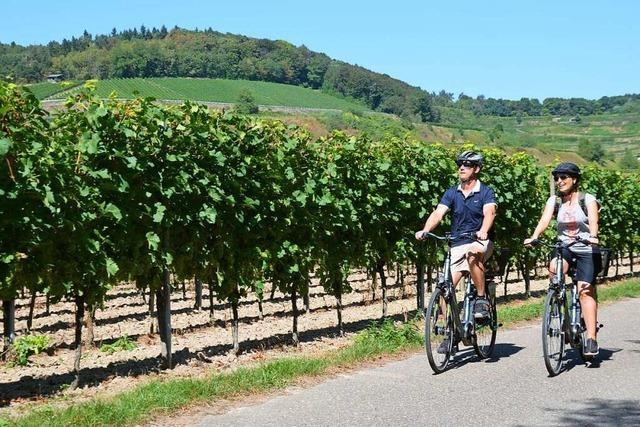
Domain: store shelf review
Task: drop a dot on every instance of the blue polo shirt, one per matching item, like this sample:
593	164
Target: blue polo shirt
467	212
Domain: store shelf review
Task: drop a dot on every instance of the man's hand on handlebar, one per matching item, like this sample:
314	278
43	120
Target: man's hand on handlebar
482	235
421	235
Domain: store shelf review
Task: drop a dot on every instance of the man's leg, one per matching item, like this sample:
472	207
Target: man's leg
475	257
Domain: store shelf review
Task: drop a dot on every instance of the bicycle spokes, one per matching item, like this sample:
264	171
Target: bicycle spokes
552	333
438	332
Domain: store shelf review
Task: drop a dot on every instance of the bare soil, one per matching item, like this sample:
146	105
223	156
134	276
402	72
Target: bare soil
199	347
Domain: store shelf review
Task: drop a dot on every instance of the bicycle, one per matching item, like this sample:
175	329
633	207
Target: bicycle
562	321
443	318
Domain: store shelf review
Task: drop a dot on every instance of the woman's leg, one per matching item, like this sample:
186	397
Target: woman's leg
589	307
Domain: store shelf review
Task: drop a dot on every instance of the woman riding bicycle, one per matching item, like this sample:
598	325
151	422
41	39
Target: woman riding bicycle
574	221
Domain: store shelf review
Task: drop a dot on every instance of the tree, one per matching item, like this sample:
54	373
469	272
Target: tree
629	161
246	103
592	151
423	108
496	132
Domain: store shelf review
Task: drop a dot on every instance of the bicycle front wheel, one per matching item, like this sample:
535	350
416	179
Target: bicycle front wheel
484	340
438	331
552	333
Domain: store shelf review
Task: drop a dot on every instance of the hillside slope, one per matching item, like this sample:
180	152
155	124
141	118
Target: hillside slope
218	90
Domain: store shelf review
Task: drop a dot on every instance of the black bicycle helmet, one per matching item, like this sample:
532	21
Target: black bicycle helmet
470	156
568	168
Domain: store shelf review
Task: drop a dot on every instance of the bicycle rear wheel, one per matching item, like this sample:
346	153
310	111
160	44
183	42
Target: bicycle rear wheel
438	331
484	340
552	333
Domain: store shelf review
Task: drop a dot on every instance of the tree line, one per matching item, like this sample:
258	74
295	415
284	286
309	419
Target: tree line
483	106
207	53
210	54
106	191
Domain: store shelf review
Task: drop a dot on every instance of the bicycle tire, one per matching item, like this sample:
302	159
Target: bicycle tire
438	327
484	333
552	333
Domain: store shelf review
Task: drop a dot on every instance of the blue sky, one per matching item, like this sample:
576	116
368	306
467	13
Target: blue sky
503	49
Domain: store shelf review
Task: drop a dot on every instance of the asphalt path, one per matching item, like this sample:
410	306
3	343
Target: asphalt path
512	388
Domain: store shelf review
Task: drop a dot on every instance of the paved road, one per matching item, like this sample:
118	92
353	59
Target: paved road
511	389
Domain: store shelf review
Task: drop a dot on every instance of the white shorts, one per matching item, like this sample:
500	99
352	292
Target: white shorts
459	253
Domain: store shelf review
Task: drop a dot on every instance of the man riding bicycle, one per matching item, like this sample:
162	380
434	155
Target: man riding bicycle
473	206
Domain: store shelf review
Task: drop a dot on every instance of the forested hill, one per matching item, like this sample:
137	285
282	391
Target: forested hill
182	53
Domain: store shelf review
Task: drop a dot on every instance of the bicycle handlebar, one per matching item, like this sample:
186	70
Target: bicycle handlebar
559	243
449	238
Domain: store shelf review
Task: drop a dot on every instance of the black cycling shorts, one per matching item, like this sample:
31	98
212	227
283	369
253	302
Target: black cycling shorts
587	265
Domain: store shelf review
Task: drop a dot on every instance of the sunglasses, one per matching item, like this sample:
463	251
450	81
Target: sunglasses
466	163
560	177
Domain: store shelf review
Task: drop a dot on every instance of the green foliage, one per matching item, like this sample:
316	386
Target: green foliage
111	190
246	103
496	132
575	107
124	343
592	151
388	336
551	136
209	54
26	197
629	161
27	345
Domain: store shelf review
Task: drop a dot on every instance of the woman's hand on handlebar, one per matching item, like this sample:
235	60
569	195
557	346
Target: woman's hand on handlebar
421	235
592	240
531	241
588	241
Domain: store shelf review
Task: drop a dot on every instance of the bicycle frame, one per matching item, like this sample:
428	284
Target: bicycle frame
464	327
571	305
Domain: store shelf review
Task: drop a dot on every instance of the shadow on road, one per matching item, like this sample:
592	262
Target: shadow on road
502	351
574	359
468	355
601	412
